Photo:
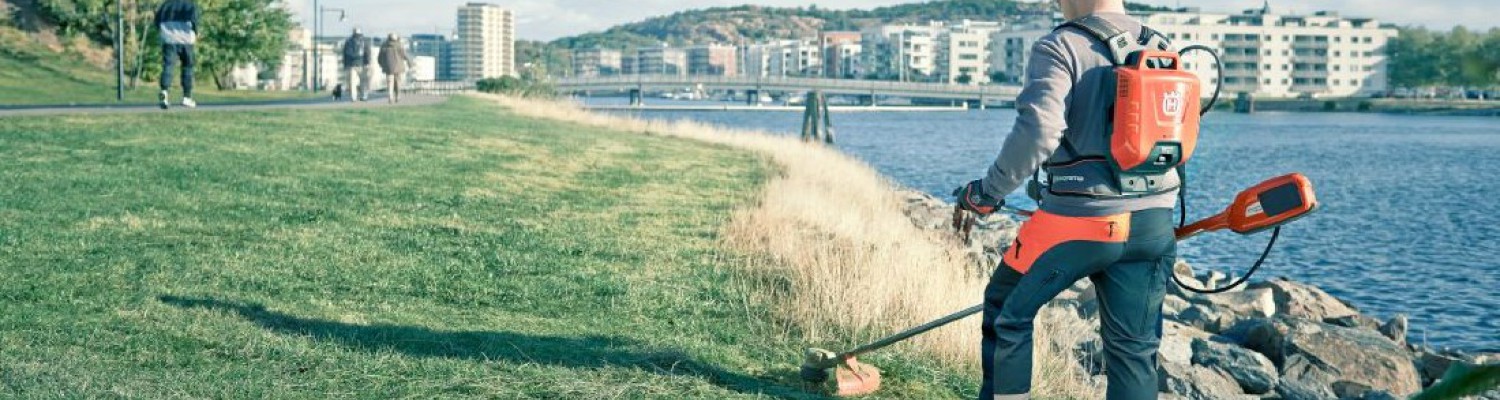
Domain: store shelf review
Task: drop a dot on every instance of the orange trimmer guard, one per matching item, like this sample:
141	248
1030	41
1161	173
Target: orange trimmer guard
855	378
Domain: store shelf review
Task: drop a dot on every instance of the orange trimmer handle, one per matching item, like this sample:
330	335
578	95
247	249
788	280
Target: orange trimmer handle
1214	223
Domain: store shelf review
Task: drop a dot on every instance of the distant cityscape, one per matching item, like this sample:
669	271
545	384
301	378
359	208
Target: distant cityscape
1264	52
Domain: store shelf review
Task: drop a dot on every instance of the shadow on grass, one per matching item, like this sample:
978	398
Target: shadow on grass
585	352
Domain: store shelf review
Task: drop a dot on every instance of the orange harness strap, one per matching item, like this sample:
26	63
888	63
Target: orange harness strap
1045	231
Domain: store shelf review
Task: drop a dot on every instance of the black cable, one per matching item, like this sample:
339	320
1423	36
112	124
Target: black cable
1218	63
1274	234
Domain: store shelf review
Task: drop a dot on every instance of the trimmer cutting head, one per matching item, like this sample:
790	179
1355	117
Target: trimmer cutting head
851	377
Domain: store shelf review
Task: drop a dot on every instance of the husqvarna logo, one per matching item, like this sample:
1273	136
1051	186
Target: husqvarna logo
1171	103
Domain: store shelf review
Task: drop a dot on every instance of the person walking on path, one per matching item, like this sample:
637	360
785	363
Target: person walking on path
177	21
1085	226
393	62
357	66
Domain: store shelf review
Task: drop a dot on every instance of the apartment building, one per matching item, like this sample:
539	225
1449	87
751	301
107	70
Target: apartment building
713	59
842	51
1265	53
661	61
1270	54
1010	49
486	42
439	48
963	52
902	52
596	62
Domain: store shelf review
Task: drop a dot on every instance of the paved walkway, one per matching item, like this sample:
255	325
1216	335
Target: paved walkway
300	104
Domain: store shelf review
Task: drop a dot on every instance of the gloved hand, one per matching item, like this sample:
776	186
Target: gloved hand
971	197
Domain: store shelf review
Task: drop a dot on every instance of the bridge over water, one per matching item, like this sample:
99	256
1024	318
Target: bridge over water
636	84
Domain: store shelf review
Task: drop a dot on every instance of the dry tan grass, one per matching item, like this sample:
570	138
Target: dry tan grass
856	262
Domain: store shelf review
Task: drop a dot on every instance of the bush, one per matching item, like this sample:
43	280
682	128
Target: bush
1330	105
1364	105
509	85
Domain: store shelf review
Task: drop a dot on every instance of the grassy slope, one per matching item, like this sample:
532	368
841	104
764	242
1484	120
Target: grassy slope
413	252
30	74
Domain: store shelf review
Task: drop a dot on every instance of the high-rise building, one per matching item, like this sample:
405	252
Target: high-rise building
596	62
486	45
440	49
713	59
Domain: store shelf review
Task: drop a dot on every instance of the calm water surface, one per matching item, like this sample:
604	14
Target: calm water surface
1411	204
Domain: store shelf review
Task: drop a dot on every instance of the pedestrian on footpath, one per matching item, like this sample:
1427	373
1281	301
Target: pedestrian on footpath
393	61
357	50
177	21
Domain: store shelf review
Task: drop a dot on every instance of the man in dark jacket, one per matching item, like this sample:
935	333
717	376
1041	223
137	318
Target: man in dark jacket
178	22
357	51
1087	225
393	61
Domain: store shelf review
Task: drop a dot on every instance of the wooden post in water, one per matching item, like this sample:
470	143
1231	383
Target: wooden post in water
1244	103
816	122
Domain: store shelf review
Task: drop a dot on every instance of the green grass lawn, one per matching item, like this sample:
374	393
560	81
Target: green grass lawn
440	251
33	75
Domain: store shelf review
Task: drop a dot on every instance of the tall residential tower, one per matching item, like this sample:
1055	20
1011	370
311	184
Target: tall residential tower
486	45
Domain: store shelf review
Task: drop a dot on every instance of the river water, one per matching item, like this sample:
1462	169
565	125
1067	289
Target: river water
1410	217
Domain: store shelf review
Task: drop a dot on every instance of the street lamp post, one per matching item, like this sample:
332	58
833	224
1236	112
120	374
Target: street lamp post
119	50
317	48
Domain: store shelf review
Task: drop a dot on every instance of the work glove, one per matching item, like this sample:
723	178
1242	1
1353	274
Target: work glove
971	197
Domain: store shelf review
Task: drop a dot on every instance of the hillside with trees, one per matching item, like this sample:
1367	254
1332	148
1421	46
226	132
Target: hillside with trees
750	23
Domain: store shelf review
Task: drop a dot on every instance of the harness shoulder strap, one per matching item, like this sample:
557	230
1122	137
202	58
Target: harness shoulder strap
1119	41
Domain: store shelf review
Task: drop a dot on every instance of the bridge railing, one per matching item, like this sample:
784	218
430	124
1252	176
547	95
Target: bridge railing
786	83
439	88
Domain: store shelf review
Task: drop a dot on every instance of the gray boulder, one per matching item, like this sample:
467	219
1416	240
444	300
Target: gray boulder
1252	371
1395	329
1306	301
1205	318
1196	382
1354	321
1250	303
1321	354
1177	342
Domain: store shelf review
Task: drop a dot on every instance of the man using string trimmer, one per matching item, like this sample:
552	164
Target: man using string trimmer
1108	114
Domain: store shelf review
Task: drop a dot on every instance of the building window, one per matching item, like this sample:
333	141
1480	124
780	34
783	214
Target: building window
1283	81
1353	82
1335	67
1285	67
1338	39
1268	81
1214	36
1268	67
1335	82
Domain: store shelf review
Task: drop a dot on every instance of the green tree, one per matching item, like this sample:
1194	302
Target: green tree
234	32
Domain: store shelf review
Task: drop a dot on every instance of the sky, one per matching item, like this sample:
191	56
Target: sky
550	19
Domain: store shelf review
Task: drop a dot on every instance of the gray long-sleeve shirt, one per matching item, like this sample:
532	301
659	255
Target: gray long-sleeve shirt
1068	92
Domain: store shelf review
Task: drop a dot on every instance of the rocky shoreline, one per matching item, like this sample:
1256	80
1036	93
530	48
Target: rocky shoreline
1269	339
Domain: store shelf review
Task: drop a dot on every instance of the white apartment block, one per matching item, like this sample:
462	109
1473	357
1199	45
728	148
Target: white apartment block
1275	55
486	42
906	53
963	52
1265	53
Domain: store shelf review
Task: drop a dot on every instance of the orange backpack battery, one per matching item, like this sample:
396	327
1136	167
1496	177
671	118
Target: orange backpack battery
1154	122
1155	119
